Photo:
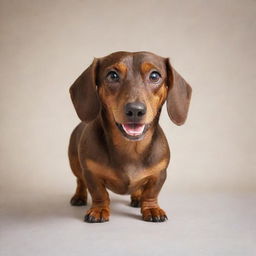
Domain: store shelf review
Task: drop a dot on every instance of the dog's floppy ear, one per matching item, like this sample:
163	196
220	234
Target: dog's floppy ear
84	94
179	95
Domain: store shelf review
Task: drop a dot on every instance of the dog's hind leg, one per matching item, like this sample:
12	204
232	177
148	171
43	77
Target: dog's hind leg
80	196
135	198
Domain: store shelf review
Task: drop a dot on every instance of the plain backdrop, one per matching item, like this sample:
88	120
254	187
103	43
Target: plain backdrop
45	45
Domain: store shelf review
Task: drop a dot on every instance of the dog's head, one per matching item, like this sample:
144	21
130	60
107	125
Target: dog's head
131	89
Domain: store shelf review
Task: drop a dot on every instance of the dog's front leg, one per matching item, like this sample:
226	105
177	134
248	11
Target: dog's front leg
149	206
99	211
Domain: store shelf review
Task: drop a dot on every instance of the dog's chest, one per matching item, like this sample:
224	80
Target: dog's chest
127	179
131	177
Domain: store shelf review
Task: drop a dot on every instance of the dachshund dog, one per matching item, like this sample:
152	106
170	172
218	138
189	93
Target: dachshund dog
119	144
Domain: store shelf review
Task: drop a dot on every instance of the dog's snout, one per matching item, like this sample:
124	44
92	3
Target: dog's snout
135	111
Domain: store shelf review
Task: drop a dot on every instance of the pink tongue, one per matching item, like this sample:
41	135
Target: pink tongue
133	129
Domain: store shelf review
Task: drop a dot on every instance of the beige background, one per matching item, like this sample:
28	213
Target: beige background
45	45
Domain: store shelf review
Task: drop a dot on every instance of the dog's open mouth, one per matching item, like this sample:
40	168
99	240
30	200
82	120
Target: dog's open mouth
133	131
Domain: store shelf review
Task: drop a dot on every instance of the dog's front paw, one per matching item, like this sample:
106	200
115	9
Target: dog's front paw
154	215
97	215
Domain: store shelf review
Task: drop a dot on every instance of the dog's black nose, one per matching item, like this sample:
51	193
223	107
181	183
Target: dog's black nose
135	111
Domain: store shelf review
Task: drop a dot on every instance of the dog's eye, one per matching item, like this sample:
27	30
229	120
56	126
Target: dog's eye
112	76
154	76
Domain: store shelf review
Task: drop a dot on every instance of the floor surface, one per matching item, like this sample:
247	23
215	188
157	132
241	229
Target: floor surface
199	224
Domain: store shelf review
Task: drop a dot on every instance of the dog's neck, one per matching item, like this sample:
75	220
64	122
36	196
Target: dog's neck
120	146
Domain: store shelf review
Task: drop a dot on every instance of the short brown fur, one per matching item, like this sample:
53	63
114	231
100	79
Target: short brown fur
101	156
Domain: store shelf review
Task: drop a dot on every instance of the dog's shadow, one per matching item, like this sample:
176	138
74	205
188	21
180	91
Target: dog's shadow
34	208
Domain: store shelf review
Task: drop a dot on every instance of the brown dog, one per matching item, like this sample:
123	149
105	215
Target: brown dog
119	144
